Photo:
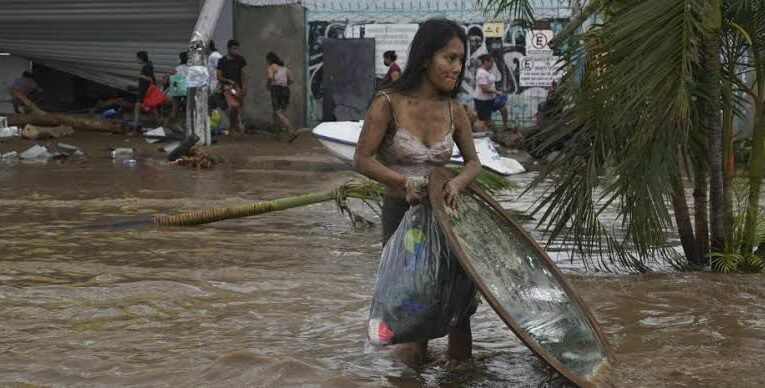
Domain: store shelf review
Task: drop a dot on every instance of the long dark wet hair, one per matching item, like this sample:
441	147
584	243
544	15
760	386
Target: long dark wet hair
272	58
433	35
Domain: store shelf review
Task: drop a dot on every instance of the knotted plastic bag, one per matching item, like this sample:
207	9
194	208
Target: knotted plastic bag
421	290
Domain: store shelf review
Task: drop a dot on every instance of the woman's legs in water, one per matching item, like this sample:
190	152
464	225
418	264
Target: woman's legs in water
461	341
137	117
285	124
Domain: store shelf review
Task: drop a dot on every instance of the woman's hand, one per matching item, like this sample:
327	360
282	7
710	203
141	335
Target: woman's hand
416	189
452	192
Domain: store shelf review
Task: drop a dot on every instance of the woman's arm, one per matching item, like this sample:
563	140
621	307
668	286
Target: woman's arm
376	124
394	76
290	81
463	136
269	76
488	89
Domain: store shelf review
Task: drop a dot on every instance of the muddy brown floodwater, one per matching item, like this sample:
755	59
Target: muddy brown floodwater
281	299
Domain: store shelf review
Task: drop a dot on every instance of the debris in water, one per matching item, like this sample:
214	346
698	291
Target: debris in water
122	153
196	158
37	152
9	156
155	135
33	132
168	148
6	132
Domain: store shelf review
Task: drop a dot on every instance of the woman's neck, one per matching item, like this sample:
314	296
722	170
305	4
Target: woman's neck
428	91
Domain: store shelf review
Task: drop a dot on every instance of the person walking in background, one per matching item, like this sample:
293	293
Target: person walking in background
279	81
394	70
145	79
232	75
176	84
25	86
485	92
213	57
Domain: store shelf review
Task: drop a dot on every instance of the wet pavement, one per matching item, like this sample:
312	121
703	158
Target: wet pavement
281	299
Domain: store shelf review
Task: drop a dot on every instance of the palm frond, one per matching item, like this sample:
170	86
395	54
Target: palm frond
516	10
627	111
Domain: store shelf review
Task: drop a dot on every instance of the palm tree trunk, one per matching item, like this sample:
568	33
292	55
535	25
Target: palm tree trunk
713	72
701	214
218	214
730	167
756	173
684	225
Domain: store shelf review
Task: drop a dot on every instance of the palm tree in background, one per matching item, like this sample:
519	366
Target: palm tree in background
648	98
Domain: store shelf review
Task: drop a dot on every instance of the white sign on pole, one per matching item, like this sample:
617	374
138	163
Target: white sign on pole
395	37
538	71
538	66
537	42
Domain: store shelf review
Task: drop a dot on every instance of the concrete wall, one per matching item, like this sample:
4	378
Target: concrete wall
280	29
11	68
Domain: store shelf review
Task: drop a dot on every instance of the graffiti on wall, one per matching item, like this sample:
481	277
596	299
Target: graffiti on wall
509	52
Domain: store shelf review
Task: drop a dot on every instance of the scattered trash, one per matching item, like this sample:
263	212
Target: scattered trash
155	135
168	148
9	132
183	148
67	148
196	158
3	121
9	156
111	113
33	132
70	150
130	162
37	152
122	153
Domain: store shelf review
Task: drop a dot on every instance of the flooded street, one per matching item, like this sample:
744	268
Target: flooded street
282	299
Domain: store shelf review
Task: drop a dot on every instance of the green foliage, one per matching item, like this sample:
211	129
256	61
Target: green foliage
509	9
738	254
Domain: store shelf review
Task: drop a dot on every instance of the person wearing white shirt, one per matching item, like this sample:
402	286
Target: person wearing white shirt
485	92
212	66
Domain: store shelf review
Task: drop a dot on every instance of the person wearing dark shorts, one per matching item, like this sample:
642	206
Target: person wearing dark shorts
232	77
279	81
485	92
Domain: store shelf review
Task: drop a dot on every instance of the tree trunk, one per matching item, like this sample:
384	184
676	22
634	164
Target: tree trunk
684	225
730	167
756	173
81	122
714	128
38	116
701	215
206	216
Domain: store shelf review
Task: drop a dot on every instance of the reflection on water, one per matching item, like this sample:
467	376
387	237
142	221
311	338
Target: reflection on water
281	300
518	278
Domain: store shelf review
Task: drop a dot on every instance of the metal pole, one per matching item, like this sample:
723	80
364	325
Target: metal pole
197	115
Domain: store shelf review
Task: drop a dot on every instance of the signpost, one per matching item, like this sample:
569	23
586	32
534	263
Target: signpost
538	66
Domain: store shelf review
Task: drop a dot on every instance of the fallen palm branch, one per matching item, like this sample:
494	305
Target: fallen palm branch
368	191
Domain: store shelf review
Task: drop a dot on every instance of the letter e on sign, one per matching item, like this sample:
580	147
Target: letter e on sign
539	40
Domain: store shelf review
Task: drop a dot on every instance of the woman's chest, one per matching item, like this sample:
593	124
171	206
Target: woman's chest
429	123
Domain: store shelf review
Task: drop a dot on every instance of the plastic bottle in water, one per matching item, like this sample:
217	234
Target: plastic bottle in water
122	153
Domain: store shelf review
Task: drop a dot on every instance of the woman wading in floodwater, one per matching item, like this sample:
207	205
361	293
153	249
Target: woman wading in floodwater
411	128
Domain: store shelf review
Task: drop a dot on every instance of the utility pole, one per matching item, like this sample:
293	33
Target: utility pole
197	113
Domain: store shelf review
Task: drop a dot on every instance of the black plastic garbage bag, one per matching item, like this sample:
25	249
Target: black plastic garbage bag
421	290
